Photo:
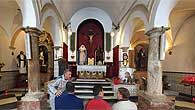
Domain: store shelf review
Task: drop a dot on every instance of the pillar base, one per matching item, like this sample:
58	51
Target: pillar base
149	102
33	101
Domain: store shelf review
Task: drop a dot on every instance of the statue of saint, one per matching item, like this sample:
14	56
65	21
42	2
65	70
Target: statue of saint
41	57
99	53
125	59
82	55
22	62
140	59
62	65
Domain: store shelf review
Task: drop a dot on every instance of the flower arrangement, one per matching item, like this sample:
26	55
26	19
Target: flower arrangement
2	64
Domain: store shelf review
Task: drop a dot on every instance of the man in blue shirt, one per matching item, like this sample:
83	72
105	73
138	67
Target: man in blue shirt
57	86
68	101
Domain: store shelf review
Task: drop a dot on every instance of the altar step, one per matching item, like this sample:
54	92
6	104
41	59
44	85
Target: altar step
91	97
94	80
84	88
91	87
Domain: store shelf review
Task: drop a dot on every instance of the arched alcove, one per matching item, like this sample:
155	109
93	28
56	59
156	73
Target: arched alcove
90	33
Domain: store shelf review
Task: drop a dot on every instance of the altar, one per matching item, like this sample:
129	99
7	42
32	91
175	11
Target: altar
91	71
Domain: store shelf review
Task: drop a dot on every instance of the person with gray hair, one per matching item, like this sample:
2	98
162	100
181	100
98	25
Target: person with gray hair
57	86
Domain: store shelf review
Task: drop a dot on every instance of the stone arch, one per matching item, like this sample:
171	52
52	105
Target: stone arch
88	13
49	12
14	37
140	12
30	13
160	12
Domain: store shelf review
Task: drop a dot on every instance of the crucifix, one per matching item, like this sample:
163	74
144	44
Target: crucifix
90	33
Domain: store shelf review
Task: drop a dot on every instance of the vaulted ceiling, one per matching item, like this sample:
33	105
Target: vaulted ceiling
116	9
183	10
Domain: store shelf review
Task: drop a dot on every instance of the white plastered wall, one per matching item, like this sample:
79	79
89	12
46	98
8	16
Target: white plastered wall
6	53
10	22
53	27
160	13
51	23
183	54
182	57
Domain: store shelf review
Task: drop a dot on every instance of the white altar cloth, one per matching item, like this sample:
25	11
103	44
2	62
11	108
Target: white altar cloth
91	68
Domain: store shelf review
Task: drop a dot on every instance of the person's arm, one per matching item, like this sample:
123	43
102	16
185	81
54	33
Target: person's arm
52	86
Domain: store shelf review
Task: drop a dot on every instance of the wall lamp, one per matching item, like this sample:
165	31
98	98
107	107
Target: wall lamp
68	28
114	29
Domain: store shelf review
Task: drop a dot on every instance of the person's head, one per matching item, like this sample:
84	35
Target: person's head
67	74
123	94
98	91
127	74
21	52
70	87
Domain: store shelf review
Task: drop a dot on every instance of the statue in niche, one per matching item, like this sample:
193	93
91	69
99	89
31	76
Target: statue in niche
82	55
125	59
43	58
140	59
99	56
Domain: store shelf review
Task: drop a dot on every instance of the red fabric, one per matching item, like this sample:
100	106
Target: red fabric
115	61
65	52
83	38
117	81
188	80
98	104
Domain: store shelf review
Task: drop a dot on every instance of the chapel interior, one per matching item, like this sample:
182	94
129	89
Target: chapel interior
98	41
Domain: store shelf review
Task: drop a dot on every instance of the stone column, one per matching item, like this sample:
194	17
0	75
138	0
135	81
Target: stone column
57	55
154	77
153	99
32	100
33	63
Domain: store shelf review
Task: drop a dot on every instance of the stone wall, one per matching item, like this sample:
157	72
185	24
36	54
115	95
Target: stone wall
175	78
8	80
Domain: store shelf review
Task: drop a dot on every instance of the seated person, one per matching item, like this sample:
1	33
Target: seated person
98	103
128	79
68	101
123	100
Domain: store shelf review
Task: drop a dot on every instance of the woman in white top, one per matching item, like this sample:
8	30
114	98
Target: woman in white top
123	101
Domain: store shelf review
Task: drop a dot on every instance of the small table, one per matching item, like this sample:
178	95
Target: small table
189	81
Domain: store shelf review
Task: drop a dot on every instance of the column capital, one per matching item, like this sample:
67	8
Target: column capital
32	31
157	31
124	49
